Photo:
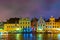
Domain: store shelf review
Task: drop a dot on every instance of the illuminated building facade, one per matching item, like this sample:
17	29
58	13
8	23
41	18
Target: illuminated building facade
11	27
25	22
11	24
34	24
52	24
41	25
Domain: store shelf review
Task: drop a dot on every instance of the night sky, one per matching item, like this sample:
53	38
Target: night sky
29	8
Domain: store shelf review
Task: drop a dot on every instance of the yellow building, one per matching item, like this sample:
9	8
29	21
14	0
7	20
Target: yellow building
25	22
11	27
52	24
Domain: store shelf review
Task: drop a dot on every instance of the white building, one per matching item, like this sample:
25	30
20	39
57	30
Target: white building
41	24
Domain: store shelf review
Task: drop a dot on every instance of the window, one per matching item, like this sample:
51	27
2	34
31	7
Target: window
21	23
57	26
17	26
46	26
28	22
43	25
50	23
7	26
21	27
53	23
12	26
53	26
28	26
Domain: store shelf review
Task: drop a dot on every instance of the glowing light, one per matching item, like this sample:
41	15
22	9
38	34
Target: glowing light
1	29
17	28
40	28
1	33
58	28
